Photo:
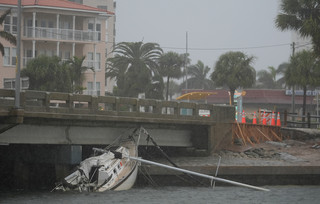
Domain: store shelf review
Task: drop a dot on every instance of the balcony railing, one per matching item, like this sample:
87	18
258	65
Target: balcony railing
62	34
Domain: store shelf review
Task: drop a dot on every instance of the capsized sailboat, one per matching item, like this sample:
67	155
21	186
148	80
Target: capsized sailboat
107	170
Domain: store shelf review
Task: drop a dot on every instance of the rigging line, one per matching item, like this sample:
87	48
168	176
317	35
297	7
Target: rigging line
234	48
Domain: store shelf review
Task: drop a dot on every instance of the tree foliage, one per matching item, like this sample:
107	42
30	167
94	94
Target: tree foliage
302	16
272	78
303	71
170	65
134	66
233	69
77	69
48	74
199	76
7	36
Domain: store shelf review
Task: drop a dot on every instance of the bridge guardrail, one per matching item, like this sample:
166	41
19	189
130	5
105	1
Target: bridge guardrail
66	103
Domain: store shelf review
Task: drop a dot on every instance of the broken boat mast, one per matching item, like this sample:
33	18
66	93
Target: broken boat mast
196	173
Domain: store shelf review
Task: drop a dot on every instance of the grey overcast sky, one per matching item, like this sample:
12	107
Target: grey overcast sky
214	27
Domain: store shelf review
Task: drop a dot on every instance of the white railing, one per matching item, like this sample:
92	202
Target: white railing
62	34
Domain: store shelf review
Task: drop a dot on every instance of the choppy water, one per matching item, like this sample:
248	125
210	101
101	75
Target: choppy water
226	195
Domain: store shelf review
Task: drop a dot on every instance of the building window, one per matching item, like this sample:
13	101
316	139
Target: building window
98	29
90	88
6	57
7	23
98	61
90	26
98	88
102	7
90	59
14	56
10	24
14	25
9	83
77	1
10	56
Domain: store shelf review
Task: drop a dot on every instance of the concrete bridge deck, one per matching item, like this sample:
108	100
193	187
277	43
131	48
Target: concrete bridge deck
62	118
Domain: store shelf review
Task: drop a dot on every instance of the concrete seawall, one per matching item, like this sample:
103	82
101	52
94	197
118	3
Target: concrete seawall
294	161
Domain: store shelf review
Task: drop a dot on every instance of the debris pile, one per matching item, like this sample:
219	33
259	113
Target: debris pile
243	134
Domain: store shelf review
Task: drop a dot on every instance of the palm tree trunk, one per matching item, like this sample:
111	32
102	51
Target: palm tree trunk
304	103
167	94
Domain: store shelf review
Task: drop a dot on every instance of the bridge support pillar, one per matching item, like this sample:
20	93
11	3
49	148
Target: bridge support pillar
219	136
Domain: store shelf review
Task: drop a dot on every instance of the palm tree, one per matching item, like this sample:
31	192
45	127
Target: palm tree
7	36
76	73
302	72
173	88
234	70
268	78
198	79
155	89
137	62
170	65
303	17
116	69
281	82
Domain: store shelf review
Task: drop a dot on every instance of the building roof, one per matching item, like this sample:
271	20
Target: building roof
54	4
255	96
195	95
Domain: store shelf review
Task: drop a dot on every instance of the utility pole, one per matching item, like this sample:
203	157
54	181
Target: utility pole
293	87
17	82
186	61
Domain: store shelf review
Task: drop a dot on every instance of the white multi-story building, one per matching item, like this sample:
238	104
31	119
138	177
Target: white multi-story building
61	28
110	6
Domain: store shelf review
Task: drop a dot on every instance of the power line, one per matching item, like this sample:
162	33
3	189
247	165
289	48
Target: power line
39	29
194	48
230	48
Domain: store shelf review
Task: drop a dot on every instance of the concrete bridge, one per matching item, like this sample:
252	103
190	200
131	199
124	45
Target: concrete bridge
70	119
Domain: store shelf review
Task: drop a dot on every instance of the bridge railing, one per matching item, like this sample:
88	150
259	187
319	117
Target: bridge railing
301	121
65	103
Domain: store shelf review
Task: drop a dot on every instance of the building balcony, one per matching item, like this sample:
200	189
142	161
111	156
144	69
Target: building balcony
62	34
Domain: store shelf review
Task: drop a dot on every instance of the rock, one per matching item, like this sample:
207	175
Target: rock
251	154
288	157
316	146
281	144
259	152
